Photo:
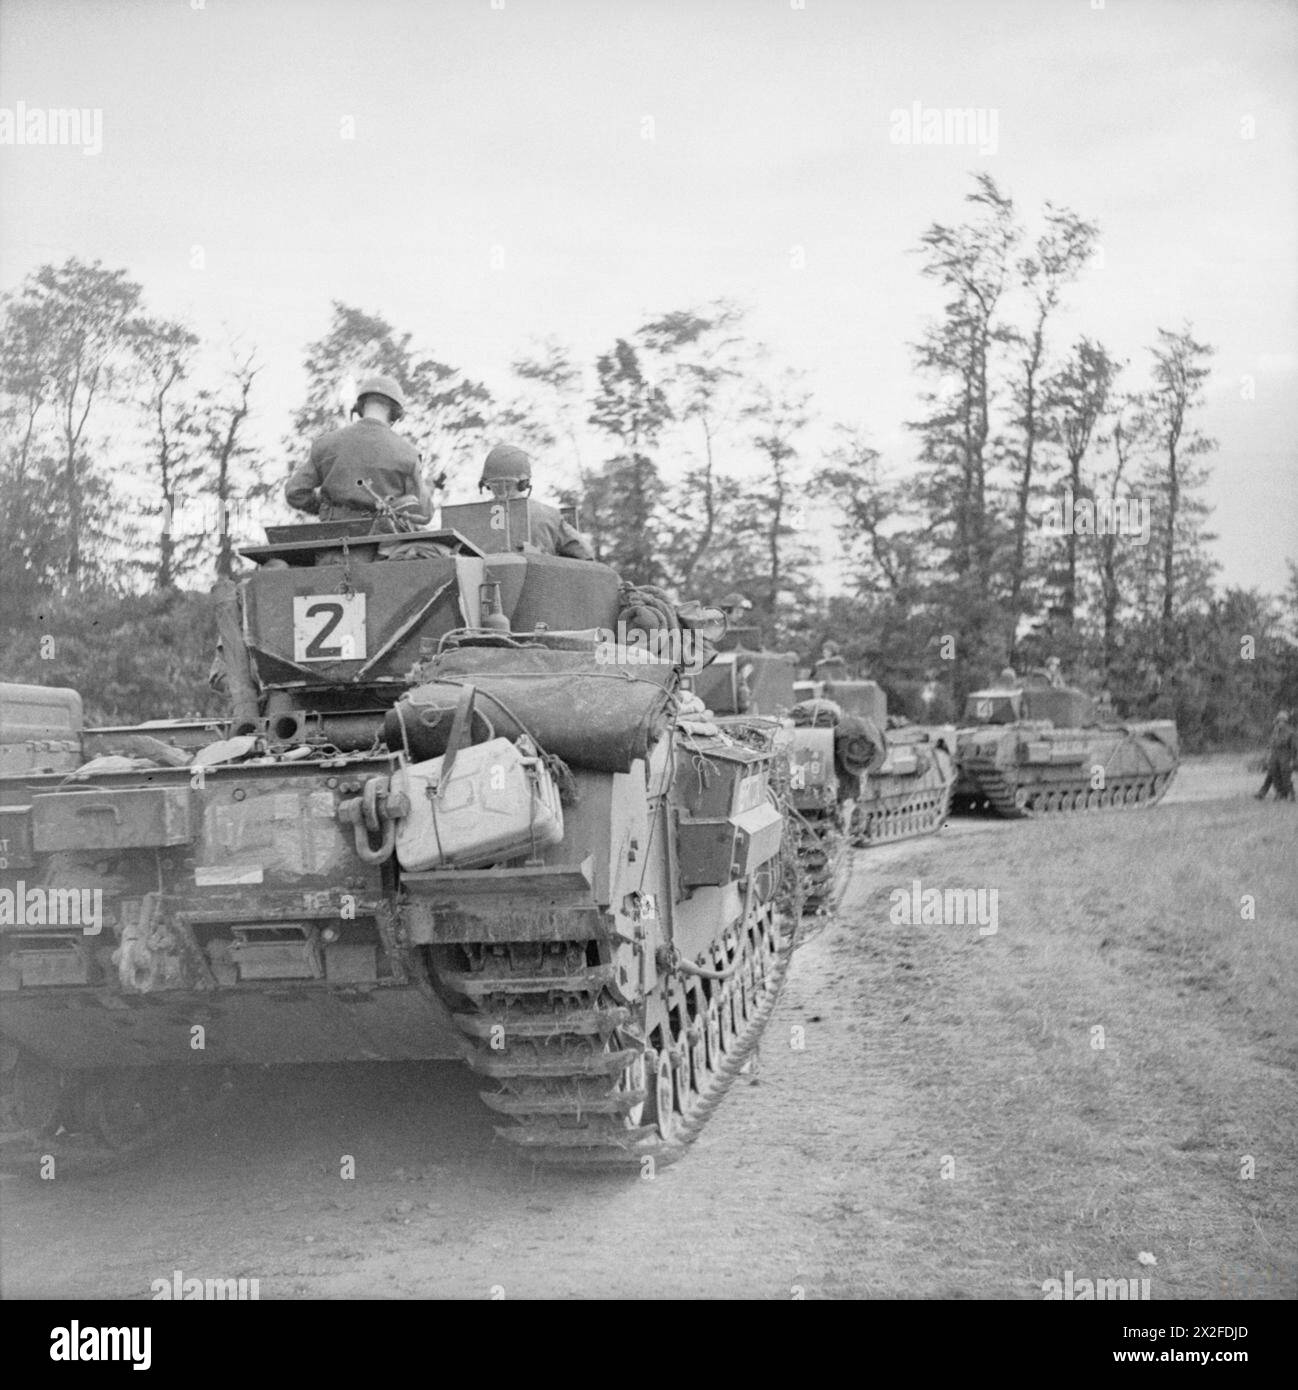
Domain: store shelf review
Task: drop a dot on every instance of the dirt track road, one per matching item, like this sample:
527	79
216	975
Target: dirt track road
821	1172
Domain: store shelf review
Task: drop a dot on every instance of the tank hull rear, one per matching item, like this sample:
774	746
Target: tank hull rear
910	794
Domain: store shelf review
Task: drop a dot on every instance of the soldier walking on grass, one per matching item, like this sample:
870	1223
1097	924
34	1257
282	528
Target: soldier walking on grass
1281	755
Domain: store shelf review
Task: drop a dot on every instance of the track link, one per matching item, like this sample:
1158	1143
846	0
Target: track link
581	1077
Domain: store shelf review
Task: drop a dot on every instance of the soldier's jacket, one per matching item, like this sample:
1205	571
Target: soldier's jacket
552	534
329	483
1284	745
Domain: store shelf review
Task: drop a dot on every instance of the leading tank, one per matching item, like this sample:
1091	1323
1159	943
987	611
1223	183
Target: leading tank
456	814
1033	748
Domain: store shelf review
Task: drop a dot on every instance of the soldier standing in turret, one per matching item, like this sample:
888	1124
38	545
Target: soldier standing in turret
507	474
351	469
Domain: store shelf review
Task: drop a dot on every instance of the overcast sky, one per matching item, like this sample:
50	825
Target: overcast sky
521	125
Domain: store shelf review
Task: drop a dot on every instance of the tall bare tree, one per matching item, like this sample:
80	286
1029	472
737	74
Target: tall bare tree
1060	252
1075	399
80	321
1176	475
165	352
705	369
974	265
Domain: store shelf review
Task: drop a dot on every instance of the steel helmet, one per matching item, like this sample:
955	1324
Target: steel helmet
734	600
506	463
382	386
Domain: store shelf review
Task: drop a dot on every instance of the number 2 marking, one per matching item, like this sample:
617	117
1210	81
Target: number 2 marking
315	648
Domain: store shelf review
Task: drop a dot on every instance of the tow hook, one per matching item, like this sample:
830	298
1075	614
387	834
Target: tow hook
374	812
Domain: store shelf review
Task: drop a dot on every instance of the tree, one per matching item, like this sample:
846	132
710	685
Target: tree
884	622
31	542
1059	255
79	320
1175	476
626	493
232	476
166	353
1075	399
704	367
973	263
551	413
1126	437
769	512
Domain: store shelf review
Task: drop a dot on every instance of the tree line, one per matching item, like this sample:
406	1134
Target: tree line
1054	505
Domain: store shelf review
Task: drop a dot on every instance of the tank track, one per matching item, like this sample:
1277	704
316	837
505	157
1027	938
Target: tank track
902	815
1023	803
824	855
581	1075
94	1121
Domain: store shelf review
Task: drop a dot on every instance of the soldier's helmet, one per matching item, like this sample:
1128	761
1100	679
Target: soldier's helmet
386	387
1009	676
508	464
734	601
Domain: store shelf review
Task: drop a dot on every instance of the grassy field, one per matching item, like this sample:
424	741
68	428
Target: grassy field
1099	1076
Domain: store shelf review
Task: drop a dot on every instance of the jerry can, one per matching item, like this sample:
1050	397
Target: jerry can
498	802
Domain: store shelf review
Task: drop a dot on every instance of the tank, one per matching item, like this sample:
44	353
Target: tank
820	757
909	792
40	729
456	813
1037	749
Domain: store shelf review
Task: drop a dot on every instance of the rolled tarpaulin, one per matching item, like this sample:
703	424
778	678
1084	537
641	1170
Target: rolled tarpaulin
594	714
858	745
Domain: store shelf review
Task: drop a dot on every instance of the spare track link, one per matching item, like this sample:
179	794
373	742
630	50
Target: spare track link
1052	799
580	1083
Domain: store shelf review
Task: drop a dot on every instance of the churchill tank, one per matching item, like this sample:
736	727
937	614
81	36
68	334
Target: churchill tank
905	790
822	750
1036	748
457	812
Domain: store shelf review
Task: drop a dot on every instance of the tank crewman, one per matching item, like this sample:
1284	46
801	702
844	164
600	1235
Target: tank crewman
1009	676
348	467
734	606
507	474
1282	753
829	664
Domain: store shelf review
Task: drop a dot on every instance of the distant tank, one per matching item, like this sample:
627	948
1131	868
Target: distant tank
909	792
822	755
452	816
1032	748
